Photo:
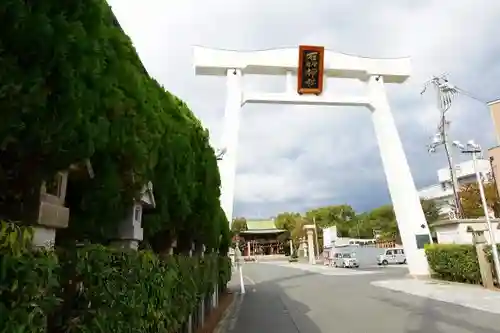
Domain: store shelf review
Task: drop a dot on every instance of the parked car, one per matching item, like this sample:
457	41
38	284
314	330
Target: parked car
344	259
392	256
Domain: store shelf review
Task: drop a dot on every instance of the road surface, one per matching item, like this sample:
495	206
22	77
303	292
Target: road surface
281	299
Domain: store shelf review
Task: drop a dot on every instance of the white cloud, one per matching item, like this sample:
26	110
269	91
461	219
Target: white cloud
296	157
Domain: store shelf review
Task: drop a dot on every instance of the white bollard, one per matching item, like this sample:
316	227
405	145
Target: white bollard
242	283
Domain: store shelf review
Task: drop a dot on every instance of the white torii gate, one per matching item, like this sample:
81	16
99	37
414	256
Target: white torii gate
375	72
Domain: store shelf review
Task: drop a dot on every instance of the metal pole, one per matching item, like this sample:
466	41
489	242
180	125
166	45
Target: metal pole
487	217
494	177
453	176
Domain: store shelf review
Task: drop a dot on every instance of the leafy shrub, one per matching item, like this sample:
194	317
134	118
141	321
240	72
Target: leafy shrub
28	282
454	262
110	290
100	289
225	271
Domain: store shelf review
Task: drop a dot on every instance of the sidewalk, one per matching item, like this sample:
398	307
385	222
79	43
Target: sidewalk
470	296
266	311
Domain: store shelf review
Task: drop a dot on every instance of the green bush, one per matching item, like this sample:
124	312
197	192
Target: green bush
454	262
224	271
73	89
111	290
99	289
29	282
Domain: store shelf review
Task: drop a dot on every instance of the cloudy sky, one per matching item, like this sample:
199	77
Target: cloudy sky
294	158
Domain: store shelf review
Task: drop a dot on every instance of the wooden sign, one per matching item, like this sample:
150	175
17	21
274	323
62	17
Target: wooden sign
311	70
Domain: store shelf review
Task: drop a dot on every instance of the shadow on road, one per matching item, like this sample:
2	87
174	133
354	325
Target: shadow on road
428	315
266	308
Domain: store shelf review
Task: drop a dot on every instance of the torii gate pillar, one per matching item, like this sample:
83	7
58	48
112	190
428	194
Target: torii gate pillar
375	72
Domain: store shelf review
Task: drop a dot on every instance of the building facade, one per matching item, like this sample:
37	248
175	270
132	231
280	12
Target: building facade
456	231
262	238
494	152
442	192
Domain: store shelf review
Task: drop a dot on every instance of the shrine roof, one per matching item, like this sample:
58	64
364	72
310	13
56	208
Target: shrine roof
261	227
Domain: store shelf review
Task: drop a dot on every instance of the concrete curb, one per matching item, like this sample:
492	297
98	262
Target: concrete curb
229	314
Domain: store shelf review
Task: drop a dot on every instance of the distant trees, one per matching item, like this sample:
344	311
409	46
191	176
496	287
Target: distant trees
293	224
239	224
380	221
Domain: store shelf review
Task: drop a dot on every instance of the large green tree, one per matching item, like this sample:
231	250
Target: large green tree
341	216
293	224
431	210
239	224
74	88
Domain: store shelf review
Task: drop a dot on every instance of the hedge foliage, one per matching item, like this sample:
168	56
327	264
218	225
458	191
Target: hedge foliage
100	289
29	282
73	88
454	262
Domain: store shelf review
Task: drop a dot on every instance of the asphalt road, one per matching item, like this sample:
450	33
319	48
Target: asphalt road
288	300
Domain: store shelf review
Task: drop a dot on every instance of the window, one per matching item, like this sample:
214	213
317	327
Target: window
54	186
347	255
388	253
137	213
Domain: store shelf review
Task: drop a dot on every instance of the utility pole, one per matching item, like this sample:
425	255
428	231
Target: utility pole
445	94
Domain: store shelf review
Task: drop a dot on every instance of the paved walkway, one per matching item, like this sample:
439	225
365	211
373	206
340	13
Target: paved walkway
292	299
474	297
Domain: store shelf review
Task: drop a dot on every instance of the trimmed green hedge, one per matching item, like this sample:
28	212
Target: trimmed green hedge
104	290
454	262
100	289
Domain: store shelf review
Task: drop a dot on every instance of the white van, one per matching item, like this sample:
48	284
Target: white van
392	256
345	259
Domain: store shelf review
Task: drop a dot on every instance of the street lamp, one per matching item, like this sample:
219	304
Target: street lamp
474	149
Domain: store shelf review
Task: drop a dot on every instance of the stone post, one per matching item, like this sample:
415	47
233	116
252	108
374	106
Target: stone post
310	243
479	240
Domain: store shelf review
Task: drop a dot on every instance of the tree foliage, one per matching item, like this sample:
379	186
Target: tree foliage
239	224
431	210
470	199
293	224
380	221
73	88
341	216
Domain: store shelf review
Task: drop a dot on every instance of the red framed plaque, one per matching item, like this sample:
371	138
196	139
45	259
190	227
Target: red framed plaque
311	69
